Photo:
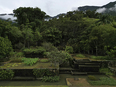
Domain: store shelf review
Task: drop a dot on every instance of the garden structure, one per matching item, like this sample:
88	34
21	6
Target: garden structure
31	68
37	68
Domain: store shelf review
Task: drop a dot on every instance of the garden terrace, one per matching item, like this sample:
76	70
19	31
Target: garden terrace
86	64
38	65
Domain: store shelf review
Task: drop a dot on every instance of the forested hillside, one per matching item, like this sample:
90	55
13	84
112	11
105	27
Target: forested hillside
86	32
105	9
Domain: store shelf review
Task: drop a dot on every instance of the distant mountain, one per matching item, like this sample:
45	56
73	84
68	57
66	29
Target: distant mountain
109	8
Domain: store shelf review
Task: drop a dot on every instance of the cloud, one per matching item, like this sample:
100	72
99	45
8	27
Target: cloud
101	10
7	17
113	8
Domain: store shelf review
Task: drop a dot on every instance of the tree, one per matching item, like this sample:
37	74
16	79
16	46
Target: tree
32	14
27	35
5	47
52	35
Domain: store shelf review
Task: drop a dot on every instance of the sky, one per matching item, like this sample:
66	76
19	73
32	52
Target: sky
51	7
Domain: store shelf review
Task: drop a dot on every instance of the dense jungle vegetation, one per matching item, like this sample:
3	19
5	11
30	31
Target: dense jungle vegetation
75	32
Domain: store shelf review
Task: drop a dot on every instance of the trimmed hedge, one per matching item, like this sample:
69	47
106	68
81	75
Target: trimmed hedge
34	51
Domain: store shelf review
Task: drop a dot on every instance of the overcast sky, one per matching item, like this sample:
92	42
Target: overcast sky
51	7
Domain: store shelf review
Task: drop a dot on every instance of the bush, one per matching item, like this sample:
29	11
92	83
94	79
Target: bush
80	55
38	50
69	49
6	74
38	72
50	79
42	72
106	71
93	78
29	61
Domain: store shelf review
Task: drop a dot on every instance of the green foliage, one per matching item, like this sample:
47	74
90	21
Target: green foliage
38	50
29	61
80	56
52	35
106	71
104	81
68	56
5	47
56	57
110	52
69	49
6	74
39	72
24	13
42	72
19	54
50	79
49	47
93	78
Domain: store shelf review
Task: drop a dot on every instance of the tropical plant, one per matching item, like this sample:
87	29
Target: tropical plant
29	61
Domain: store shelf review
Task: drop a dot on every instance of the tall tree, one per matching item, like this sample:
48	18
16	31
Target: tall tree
32	14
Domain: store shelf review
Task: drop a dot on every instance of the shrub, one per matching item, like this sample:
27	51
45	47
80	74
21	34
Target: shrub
38	50
42	72
49	73
93	78
29	61
50	79
6	74
80	55
39	72
69	49
106	71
